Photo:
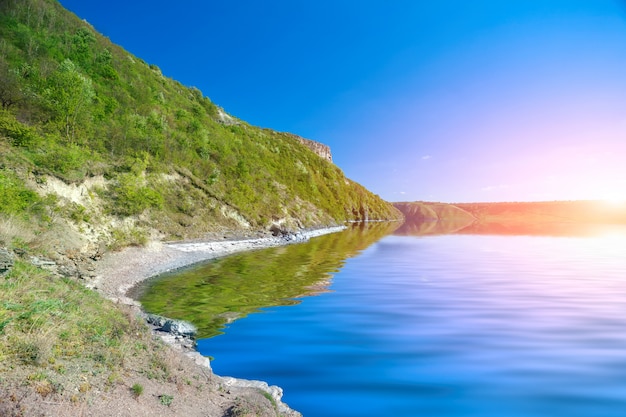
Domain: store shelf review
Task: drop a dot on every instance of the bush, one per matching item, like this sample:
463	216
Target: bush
166	399
15	198
131	236
17	133
130	198
137	390
66	160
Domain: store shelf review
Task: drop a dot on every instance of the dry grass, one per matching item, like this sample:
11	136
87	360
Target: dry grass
56	327
15	230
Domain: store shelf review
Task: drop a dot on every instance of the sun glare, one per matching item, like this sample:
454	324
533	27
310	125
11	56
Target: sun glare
617	200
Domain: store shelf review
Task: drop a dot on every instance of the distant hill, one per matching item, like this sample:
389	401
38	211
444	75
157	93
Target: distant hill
425	218
546	217
148	155
550	217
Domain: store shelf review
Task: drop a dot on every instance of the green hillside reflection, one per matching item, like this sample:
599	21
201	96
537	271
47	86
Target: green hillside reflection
212	294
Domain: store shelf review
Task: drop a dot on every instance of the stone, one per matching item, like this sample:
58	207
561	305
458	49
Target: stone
156	320
199	359
68	270
6	261
100	251
179	327
43	263
277	230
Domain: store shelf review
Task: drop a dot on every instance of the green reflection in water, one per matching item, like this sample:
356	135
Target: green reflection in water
212	294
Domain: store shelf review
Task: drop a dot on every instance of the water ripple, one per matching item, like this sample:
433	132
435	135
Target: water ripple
449	326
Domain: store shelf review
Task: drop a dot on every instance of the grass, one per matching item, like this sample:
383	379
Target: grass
58	337
84	108
270	399
15	197
137	390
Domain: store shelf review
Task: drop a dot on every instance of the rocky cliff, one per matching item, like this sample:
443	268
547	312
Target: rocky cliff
317	147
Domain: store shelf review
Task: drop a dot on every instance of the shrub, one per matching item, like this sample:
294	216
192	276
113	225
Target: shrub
130	198
17	133
123	237
67	160
137	390
166	399
15	198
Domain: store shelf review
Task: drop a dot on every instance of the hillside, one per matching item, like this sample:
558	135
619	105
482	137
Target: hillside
426	218
99	151
160	157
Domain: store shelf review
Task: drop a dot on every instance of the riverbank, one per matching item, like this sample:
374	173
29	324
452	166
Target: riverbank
118	272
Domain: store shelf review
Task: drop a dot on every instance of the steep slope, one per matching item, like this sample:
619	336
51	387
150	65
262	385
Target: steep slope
99	150
167	160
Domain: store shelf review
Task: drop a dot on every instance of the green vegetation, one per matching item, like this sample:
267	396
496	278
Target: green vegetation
211	295
15	197
137	389
60	338
166	399
74	105
98	149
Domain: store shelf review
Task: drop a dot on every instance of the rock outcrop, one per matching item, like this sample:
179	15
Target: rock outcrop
319	148
225	118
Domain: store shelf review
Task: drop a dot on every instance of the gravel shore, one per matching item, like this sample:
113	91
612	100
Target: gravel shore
117	272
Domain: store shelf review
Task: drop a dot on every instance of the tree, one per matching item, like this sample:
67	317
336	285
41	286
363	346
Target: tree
70	94
82	43
10	91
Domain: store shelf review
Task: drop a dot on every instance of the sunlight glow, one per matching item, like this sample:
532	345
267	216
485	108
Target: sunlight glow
615	200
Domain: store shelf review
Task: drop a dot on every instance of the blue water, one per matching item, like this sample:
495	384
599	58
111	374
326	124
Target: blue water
455	325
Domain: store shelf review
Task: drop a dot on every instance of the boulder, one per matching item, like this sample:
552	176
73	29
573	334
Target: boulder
277	230
179	327
156	320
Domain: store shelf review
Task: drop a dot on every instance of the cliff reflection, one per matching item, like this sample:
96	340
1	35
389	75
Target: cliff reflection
412	227
215	293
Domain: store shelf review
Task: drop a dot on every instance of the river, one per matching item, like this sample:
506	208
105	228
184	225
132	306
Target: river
367	323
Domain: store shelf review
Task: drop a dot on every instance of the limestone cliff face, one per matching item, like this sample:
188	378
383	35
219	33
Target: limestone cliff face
319	148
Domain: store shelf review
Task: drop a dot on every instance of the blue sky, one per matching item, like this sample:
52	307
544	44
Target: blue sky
454	101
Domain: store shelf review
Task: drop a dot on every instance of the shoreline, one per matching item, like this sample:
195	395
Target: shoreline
118	272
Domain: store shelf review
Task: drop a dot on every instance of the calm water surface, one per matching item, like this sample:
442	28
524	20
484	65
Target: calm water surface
452	325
